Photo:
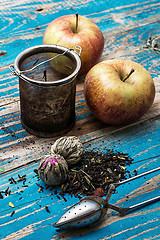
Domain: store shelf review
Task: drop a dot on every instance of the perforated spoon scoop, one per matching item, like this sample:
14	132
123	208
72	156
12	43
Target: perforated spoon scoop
81	214
92	209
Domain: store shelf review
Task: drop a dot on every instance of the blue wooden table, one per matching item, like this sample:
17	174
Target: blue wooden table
126	26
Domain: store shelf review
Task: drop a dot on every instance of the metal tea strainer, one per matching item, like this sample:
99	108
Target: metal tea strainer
47	86
91	210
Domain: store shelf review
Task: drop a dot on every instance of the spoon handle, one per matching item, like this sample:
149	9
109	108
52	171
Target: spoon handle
113	186
124	211
135	177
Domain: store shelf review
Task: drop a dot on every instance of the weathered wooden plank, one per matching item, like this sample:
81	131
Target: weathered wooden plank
111	230
29	202
111	19
87	127
127	45
28	145
126	27
13	135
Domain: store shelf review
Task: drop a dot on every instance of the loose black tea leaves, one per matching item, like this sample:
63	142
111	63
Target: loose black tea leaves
21	178
96	170
12	213
1	196
47	209
12	180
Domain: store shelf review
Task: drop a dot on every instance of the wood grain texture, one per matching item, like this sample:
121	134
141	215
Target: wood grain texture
126	26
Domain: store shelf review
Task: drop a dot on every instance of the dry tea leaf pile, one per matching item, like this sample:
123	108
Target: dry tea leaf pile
96	170
86	172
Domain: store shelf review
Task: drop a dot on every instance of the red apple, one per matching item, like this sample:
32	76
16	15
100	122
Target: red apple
73	30
118	91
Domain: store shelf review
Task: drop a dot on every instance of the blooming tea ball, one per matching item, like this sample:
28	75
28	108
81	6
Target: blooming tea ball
53	169
70	148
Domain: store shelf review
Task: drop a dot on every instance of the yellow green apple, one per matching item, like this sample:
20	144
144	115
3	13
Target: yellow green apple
119	91
76	30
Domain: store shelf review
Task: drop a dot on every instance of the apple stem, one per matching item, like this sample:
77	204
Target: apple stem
132	70
76	21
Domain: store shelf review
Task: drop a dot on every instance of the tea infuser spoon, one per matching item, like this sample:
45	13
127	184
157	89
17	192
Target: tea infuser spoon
92	209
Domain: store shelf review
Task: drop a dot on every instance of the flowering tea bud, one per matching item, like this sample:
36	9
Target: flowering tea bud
53	169
70	148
